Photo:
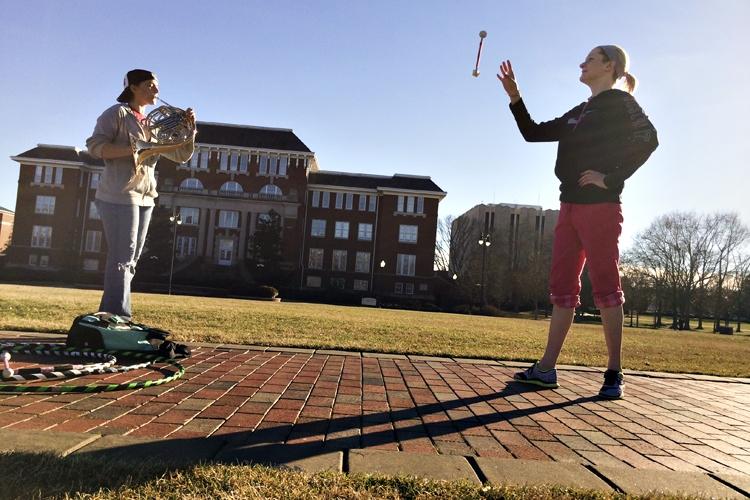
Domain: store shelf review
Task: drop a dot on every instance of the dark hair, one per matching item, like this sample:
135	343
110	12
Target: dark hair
134	77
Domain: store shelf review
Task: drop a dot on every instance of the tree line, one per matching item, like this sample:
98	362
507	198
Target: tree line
684	265
691	266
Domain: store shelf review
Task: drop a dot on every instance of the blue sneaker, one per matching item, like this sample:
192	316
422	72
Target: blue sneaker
534	375
613	384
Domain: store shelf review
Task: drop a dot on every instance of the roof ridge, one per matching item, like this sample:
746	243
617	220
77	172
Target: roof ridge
245	126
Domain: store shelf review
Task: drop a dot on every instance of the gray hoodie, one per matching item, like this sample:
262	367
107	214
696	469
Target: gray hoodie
121	182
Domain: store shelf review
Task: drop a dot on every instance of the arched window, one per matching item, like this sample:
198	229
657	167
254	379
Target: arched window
270	189
231	186
191	183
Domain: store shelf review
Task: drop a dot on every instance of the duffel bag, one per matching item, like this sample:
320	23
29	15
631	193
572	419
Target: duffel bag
103	330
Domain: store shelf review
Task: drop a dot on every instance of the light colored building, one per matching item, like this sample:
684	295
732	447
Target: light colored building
513	229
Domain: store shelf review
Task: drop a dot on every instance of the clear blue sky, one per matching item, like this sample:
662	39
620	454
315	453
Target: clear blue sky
385	87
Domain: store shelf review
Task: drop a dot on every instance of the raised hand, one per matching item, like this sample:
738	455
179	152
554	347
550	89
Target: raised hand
508	79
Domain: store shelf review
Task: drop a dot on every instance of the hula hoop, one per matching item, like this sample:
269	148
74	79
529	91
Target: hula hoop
110	355
57	371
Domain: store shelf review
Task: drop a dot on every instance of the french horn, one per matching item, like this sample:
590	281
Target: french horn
169	128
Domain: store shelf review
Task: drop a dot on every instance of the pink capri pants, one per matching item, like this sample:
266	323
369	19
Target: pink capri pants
587	233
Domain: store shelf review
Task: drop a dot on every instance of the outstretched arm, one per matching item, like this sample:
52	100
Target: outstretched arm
508	79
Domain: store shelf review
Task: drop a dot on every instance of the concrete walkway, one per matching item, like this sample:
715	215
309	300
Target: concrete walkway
442	418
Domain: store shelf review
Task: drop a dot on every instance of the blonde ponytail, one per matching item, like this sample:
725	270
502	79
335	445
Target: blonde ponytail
631	83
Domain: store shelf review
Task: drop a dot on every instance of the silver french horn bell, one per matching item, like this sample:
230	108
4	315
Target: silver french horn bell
169	128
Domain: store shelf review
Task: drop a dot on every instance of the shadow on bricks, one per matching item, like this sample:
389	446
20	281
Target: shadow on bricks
278	443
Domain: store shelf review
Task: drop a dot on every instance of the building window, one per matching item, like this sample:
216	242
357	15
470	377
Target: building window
45	205
226	251
316	258
194	159
342	230
423	287
90	265
33	259
362	202
399	288
373	203
405	264
270	190
410	289
349	201
338	283
313	281
318	228
264	218
316	198
326	199
407	234
361	285
41	236
223	160
364	233
205	156
339	260
51	174
243	162
272	161
339	200
43	260
230	187
93	241
362	264
282	165
263	169
190	216
191	184
228	218
185	246
409	207
95	180
233	160
93	212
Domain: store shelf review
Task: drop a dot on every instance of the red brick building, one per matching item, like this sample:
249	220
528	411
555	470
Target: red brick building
6	227
337	228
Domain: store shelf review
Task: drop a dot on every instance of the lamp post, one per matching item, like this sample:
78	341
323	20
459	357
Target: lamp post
176	220
455	277
484	240
382	265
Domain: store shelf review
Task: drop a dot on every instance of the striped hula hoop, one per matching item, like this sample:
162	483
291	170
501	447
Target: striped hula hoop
98	368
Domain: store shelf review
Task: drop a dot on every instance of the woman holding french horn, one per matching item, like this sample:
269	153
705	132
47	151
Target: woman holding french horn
127	187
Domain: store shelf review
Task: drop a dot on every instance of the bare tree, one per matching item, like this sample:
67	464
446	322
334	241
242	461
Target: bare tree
637	287
729	239
685	255
463	232
443	243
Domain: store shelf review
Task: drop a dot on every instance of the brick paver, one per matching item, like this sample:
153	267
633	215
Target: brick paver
415	404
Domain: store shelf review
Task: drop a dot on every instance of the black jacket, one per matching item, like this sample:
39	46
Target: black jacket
613	136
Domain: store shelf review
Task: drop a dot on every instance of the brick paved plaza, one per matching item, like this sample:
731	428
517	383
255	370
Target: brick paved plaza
327	401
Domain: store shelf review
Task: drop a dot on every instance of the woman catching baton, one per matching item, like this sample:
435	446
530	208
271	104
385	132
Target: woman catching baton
601	142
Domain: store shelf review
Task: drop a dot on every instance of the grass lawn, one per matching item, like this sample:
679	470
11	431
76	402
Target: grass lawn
293	324
47	476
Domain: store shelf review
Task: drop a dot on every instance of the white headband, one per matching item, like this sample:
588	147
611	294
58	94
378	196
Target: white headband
619	56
